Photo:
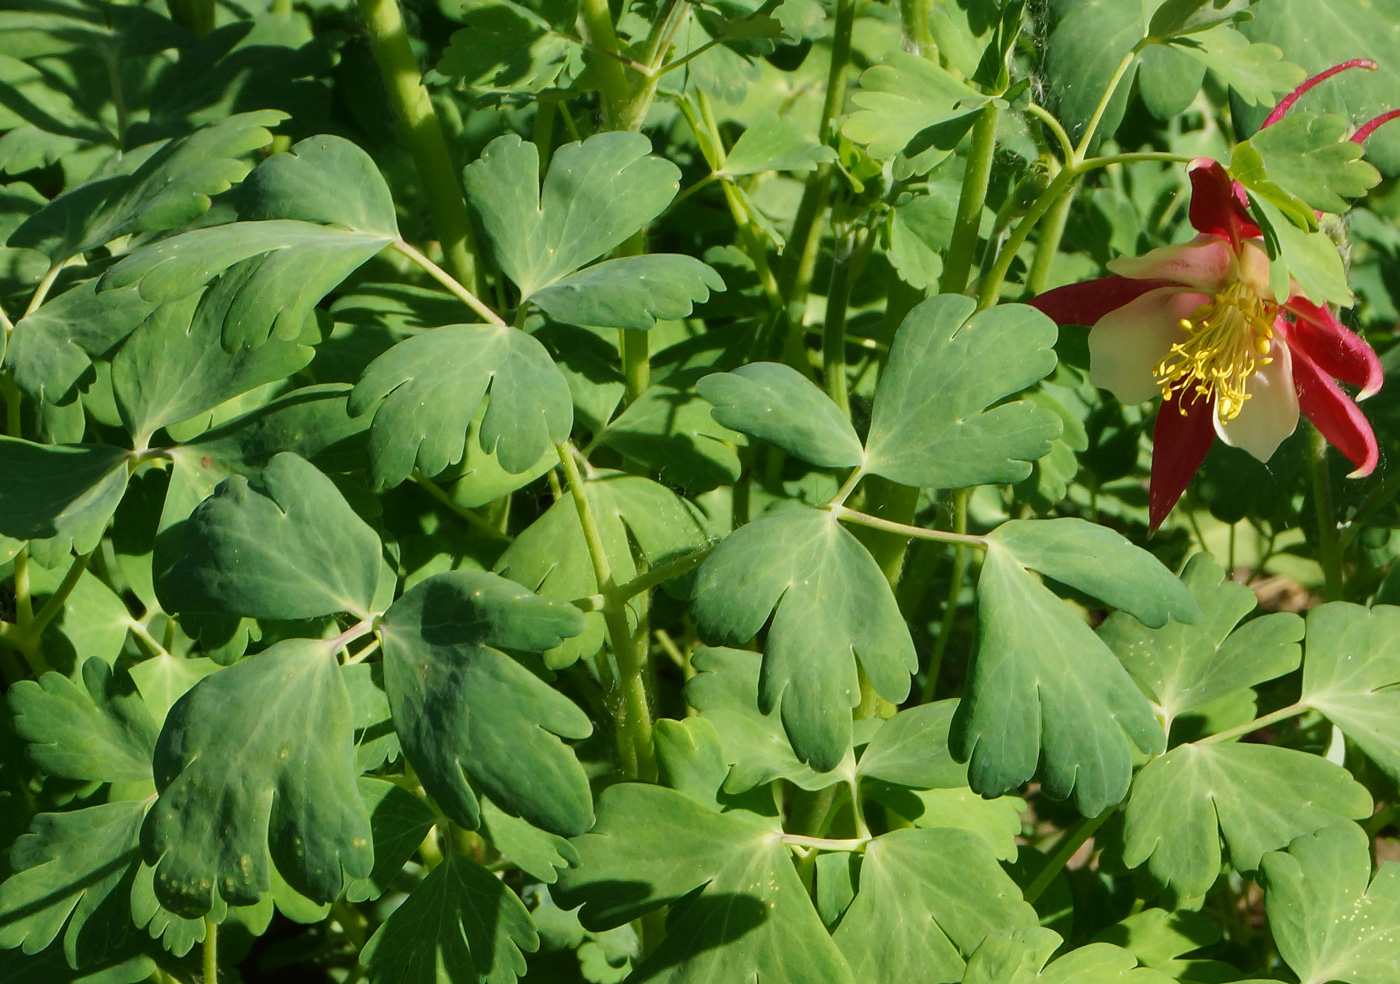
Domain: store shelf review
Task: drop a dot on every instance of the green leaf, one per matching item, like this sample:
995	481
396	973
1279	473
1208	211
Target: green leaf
911	749
671	432
460	925
1328	923
376	742
1102	563
1310	258
630	291
830	606
1260	796
1352	674
995	822
931	427
68	865
777	404
425	391
465	709
1254	71
1042	687
100	731
164	679
505	46
1158	937
50	967
288	546
172	368
775	143
907	98
536	852
65	492
1185	667
752	917
920	229
597	193
264	277
399	821
51	350
551	556
690	759
1308	157
725	691
150	189
927	899
1318	34
255	766
1023	956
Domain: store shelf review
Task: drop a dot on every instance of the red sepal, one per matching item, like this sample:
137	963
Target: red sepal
1179	445
1218	204
1335	349
1336	416
1085	303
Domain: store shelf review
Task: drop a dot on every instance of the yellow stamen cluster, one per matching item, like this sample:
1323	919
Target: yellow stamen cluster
1227	340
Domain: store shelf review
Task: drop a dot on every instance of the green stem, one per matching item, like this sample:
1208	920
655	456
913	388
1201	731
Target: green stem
211	951
826	843
24	602
114	80
451	283
635	349
804	244
1093	125
919	532
634	713
838	296
918	38
950	607
282	8
1282	714
1328	556
1055	127
1049	243
663	31
1068	847
991	285
472	519
897	504
54	603
958	262
426	142
664	572
598	31
45	285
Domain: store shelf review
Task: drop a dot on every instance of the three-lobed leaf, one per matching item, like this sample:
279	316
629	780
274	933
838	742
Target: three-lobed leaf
931	426
463	708
830	607
255	766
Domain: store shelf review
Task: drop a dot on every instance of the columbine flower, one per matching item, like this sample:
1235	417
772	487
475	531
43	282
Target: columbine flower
1199	324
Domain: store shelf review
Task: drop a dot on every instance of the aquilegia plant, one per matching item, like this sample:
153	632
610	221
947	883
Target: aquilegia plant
800	492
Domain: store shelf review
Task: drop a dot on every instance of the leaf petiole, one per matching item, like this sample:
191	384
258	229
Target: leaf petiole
919	532
450	282
1249	727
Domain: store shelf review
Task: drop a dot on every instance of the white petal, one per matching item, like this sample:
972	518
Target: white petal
1271	412
1127	343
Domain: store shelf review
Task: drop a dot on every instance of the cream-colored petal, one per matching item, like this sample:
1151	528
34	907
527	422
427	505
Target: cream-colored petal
1271	412
1252	266
1127	343
1207	263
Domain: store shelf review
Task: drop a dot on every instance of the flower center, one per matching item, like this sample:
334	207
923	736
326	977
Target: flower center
1227	339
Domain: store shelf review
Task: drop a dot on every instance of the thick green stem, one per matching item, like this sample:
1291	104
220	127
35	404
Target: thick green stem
1068	847
1049	243
950	609
958	262
426	143
1329	557
838	296
991	284
211	951
196	16
611	75
634	737
800	255
918	38
633	112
